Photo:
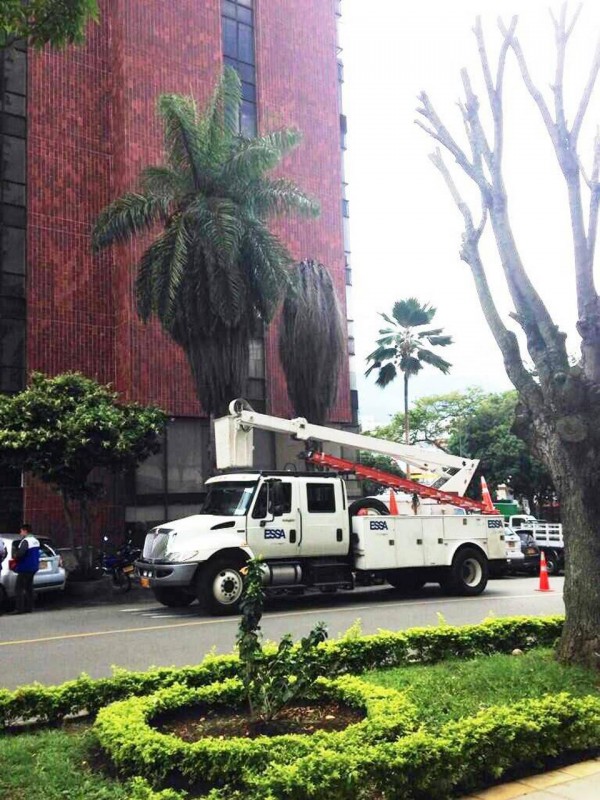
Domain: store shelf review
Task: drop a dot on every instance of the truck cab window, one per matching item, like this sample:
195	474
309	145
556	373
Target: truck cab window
320	498
260	510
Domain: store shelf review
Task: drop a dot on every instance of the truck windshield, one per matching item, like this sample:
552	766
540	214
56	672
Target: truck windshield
228	499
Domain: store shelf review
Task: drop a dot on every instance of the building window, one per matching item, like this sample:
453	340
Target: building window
343	130
237	19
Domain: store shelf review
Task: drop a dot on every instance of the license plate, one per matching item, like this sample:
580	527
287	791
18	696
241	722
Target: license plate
44	565
127	569
145	582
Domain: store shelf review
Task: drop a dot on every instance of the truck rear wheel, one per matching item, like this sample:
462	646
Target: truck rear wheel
173	598
468	574
220	586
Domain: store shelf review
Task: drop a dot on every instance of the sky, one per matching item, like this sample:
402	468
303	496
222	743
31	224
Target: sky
404	228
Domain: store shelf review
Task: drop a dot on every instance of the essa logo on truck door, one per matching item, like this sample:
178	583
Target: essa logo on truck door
378	525
495	523
274	533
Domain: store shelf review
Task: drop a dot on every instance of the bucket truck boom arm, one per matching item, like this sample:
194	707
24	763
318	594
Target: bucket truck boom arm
234	445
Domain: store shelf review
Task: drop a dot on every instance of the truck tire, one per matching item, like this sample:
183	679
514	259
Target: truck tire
220	585
369	503
405	581
468	574
173	598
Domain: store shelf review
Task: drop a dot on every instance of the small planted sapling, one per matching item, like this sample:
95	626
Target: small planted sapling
273	682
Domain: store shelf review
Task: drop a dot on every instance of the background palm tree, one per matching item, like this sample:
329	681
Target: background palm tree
215	271
312	341
400	347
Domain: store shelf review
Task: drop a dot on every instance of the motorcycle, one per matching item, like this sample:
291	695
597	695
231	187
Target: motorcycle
119	564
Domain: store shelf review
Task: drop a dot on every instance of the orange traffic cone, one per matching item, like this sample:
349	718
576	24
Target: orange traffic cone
544	582
393	503
486	498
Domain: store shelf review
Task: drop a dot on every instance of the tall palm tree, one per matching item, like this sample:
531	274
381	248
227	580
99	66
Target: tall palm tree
312	341
214	271
400	347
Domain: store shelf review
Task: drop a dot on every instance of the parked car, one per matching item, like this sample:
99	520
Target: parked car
50	577
531	552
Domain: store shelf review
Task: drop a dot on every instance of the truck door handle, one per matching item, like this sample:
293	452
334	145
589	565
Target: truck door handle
339	535
292	536
419	541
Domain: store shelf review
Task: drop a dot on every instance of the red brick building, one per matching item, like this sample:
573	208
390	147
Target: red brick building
76	128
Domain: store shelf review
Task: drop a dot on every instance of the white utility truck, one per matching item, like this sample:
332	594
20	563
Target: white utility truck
308	534
548	536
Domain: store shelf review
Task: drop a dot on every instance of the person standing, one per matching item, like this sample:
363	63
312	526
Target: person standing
28	563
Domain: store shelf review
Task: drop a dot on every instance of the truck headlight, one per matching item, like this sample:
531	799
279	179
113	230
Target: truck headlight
183	555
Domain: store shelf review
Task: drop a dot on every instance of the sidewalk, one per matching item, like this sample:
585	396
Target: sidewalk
575	782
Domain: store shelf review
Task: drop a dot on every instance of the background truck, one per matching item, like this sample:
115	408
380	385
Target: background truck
307	532
548	536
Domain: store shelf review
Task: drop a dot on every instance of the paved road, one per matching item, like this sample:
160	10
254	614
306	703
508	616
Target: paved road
58	642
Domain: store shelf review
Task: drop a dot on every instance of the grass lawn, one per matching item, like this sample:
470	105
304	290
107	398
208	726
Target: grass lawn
453	689
58	763
53	765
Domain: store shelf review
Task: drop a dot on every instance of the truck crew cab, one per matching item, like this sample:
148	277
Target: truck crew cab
306	532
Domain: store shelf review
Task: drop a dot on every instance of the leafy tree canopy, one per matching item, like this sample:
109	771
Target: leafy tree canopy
41	22
60	429
477	425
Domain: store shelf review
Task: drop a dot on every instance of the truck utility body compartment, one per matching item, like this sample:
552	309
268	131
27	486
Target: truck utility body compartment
386	542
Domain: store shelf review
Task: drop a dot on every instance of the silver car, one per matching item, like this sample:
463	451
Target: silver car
51	575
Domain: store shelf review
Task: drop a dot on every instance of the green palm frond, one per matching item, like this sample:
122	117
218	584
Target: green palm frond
218	126
251	158
410	313
434	360
430	332
277	197
440	341
410	365
183	143
164	181
386	375
160	273
129	215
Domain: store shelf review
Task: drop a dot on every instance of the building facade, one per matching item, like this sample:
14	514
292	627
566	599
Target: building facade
76	128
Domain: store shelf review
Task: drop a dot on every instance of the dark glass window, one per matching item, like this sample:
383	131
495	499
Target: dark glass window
260	510
320	498
237	17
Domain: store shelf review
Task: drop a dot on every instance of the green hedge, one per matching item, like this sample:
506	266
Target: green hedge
124	731
463	755
347	655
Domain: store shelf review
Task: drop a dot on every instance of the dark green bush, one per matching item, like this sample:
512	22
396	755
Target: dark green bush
346	655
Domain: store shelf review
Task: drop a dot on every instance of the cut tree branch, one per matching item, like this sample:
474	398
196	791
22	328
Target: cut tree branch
469	253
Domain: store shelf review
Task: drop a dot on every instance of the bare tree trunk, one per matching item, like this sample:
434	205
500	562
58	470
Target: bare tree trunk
70	526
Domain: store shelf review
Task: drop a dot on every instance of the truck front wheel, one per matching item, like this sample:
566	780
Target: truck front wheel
173	598
220	586
468	574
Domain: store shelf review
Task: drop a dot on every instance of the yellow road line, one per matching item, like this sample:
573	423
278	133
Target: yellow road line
282	615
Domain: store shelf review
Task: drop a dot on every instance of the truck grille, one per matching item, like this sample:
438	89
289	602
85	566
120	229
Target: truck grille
155	545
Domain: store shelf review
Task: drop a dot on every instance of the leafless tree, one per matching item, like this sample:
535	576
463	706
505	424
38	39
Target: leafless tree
559	410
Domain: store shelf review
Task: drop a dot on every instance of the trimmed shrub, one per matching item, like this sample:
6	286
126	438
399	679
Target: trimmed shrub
124	731
344	656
